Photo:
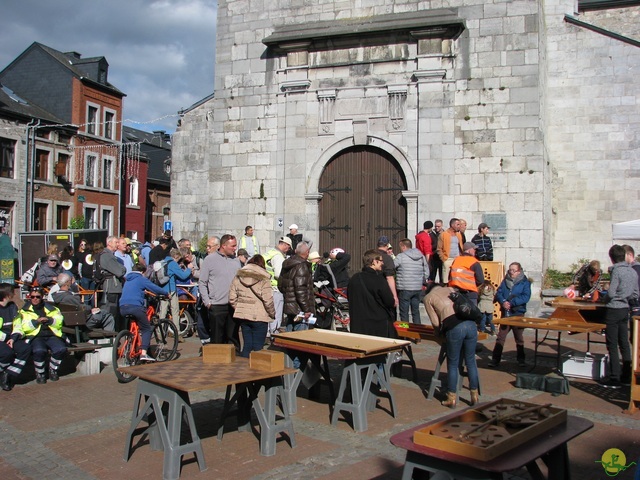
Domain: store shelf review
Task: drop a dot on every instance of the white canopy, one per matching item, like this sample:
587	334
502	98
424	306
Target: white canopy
627	230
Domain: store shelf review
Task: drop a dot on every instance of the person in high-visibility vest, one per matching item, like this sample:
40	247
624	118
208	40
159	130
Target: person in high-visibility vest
38	325
274	259
249	242
466	272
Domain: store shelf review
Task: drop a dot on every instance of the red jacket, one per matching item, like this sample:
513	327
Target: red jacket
423	243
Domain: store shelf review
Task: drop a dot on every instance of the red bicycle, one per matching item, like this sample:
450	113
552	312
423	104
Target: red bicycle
127	346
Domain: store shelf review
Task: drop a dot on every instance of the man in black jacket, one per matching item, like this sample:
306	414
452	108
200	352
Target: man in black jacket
296	284
371	303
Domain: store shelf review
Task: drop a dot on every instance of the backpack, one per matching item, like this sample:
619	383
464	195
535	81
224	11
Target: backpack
98	274
159	273
464	308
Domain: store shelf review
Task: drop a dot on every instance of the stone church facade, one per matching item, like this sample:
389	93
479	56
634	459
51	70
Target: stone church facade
523	114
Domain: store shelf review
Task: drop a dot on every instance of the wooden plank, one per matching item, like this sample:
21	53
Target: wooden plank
551	324
352	343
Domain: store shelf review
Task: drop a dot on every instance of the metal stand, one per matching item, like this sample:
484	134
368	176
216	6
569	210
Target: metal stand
164	432
360	374
270	426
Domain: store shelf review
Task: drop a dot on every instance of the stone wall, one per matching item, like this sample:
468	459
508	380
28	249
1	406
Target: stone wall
481	124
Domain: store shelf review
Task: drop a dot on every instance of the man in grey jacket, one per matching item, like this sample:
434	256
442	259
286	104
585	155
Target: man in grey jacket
623	291
412	271
114	272
216	274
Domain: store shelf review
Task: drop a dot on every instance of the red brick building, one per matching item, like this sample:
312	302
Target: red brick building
70	175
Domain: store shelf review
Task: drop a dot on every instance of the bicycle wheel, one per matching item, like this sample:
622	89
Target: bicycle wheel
164	341
186	324
123	355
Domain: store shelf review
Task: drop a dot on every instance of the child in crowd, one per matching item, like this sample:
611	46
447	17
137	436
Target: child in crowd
487	292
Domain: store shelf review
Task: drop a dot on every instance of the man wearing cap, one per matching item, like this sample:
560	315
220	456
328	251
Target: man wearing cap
335	269
48	272
274	259
484	247
466	273
295	238
249	242
423	240
388	267
449	247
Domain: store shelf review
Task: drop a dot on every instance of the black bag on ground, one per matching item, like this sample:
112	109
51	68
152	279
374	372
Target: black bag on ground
464	308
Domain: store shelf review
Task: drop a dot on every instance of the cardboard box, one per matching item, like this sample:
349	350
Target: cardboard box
267	360
585	365
214	353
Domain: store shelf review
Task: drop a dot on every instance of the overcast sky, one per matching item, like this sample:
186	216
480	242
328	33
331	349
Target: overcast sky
160	52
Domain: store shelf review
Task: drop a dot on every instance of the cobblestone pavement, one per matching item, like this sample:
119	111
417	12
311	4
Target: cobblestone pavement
75	428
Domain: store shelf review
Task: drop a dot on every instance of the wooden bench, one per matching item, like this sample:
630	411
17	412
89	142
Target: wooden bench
84	341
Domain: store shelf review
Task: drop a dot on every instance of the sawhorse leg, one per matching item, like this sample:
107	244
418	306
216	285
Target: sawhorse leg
270	426
353	375
147	406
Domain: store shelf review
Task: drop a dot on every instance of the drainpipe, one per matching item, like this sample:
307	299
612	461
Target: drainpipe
29	176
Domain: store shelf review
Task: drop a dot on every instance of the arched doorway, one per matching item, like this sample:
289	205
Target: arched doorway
361	200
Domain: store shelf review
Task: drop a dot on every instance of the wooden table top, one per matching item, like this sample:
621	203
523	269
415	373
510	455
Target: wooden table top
417	331
192	375
575	304
551	324
520	456
338	344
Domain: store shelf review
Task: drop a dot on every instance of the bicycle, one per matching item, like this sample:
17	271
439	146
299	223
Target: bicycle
187	302
127	346
332	307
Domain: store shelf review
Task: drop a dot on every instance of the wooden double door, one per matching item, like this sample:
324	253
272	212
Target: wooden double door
362	200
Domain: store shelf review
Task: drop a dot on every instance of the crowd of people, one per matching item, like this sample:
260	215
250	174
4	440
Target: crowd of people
242	287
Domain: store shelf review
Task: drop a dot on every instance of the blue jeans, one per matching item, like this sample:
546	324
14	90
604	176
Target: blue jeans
406	299
487	319
295	327
462	339
253	336
140	314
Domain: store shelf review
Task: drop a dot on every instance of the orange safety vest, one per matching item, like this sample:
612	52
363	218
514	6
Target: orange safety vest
461	275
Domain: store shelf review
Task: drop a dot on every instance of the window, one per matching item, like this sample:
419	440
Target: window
62	165
7	157
106	219
40	133
42	165
133	191
109	125
90	171
90	218
92	120
62	217
107	174
40	216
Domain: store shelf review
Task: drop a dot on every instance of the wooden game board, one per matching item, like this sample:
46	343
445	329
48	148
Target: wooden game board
328	342
192	375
